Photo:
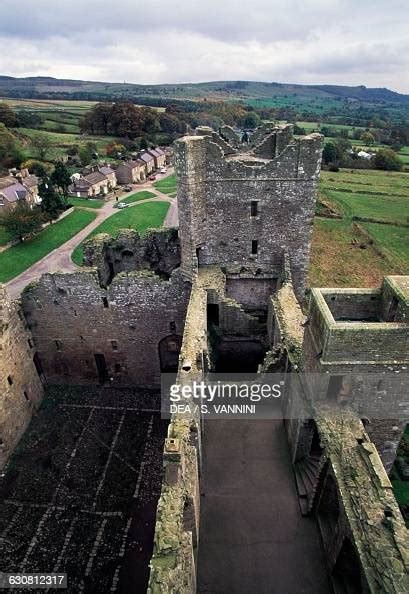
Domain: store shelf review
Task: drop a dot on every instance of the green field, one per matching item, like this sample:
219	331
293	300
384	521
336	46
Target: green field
139	217
392	241
350	251
60	142
18	258
361	194
143	195
84	203
167	185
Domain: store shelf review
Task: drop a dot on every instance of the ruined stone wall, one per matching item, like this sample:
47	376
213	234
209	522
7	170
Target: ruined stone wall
360	510
21	389
372	356
73	318
158	250
173	565
218	221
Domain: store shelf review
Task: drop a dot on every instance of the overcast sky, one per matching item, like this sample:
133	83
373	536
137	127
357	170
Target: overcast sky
151	41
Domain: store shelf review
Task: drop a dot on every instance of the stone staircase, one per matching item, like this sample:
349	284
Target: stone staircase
306	473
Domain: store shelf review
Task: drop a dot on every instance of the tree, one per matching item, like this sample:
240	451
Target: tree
86	153
7	115
41	145
115	149
11	154
252	120
60	177
143	143
51	202
329	154
367	138
388	160
21	220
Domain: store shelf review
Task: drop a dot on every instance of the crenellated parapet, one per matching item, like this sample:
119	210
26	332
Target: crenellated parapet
246	206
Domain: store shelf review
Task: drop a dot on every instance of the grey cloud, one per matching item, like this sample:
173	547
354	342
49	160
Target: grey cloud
341	41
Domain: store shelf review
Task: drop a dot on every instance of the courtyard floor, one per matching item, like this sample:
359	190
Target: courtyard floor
79	495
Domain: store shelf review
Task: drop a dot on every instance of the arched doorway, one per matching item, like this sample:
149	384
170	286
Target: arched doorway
169	350
346	575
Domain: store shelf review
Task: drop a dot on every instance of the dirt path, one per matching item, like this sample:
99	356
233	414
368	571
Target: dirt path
60	258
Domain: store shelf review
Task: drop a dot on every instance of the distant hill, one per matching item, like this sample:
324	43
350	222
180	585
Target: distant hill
43	87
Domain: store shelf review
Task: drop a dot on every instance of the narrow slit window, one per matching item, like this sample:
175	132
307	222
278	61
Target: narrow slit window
114	345
254	247
105	302
58	345
254	208
9	380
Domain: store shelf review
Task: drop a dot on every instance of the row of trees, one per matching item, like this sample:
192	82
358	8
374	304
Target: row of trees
338	153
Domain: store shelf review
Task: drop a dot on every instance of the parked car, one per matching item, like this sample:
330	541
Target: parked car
128	188
164	170
122	205
152	177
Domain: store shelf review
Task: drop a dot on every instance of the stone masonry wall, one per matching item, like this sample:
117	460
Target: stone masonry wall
215	195
21	389
158	250
72	318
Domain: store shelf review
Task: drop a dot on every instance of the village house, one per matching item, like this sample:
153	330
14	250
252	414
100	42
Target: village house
159	157
90	185
110	175
19	185
131	172
149	161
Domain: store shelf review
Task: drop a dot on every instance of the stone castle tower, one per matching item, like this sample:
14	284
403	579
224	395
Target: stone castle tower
242	206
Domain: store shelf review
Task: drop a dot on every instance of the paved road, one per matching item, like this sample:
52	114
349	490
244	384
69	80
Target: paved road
252	535
60	258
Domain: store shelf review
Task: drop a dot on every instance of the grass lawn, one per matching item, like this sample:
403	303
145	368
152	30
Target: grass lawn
140	217
142	195
92	203
337	260
166	185
20	257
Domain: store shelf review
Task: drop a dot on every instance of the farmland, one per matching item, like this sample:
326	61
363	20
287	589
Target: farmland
361	232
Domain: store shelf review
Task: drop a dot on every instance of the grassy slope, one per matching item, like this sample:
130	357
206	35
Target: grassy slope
338	261
139	217
20	257
392	241
336	256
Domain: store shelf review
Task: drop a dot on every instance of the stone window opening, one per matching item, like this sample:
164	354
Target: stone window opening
114	345
26	395
253	208
58	345
105	302
172	327
117	368
254	247
9	380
